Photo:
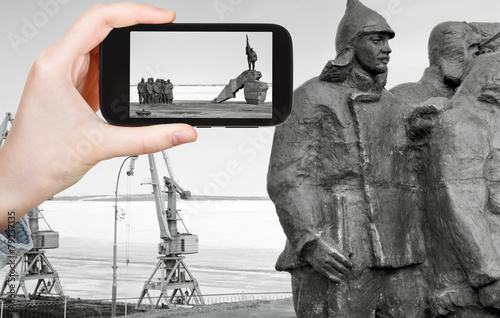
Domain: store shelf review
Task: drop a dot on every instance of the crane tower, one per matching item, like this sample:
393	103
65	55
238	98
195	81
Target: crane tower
171	272
34	265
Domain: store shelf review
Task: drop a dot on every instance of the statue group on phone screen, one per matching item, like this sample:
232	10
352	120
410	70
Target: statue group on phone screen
390	200
155	92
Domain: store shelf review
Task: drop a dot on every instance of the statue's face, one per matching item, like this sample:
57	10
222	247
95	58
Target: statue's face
372	52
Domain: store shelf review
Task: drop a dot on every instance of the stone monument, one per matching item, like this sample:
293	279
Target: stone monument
452	45
255	90
344	185
459	175
390	201
462	264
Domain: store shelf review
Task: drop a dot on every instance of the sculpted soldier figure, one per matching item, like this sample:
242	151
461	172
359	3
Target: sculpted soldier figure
157	91
453	48
452	45
344	186
170	92
163	98
141	89
459	172
251	56
150	88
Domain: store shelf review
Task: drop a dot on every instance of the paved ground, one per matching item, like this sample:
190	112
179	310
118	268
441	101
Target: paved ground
252	309
203	109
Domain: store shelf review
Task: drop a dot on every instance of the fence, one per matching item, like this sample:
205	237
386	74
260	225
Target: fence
233	298
33	309
101	308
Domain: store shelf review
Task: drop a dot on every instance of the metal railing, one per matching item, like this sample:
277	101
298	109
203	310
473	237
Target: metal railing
33	309
232	298
101	308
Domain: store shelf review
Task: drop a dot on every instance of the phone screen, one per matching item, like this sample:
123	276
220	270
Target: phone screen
201	74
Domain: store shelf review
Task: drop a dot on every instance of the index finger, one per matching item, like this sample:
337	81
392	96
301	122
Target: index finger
341	259
92	27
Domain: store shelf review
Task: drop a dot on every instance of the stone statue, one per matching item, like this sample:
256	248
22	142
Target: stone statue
452	260
141	89
150	90
452	45
490	34
344	185
459	172
169	92
251	56
255	90
163	90
157	91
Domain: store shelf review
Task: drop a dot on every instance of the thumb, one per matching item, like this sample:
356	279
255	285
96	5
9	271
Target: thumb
133	141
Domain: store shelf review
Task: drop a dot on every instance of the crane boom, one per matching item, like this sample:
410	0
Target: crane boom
168	164
159	201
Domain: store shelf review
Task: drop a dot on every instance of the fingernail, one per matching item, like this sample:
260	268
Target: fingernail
166	10
182	137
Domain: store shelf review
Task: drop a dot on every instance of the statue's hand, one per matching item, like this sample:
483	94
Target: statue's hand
425	116
326	259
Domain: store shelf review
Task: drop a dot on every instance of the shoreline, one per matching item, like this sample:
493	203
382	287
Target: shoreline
150	197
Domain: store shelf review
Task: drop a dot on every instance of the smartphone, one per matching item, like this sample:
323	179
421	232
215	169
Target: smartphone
232	75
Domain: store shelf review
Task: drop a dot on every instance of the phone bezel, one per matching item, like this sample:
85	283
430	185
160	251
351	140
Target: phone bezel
114	78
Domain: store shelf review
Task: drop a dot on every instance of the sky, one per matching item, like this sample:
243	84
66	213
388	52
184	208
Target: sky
197	57
229	161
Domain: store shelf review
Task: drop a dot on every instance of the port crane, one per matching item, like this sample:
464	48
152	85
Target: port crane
34	265
171	272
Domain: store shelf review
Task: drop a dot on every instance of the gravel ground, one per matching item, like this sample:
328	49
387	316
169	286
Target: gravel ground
250	309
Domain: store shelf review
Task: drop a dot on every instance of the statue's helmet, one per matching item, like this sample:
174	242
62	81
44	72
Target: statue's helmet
358	20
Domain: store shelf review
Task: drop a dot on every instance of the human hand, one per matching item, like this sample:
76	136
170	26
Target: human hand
56	136
325	258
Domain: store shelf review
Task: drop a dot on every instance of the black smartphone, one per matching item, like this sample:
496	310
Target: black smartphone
233	75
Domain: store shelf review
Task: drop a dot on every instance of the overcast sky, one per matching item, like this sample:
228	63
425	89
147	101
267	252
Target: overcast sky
197	57
233	161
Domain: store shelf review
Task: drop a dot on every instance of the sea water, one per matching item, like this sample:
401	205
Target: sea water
239	242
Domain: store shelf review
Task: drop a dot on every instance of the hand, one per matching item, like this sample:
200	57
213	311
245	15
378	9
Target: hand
325	258
56	136
425	116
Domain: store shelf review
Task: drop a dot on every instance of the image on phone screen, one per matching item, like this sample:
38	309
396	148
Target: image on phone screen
201	75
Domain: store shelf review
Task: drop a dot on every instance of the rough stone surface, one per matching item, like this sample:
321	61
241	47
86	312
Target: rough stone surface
255	92
391	202
344	183
460	175
450	145
235	84
447	59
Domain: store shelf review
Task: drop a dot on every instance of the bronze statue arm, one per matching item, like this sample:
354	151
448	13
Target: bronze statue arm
301	171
